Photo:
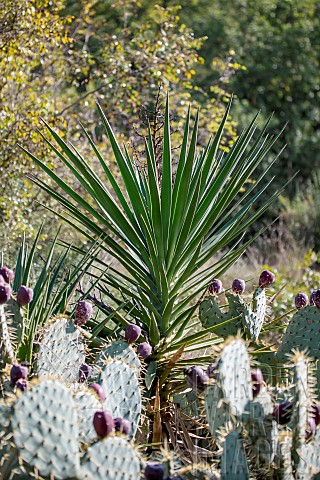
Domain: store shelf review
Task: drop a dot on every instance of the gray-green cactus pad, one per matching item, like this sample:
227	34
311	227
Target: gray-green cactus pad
61	351
111	459
119	350
14	316
303	334
234	464
234	375
123	396
6	348
254	314
210	314
86	404
45	429
217	411
309	465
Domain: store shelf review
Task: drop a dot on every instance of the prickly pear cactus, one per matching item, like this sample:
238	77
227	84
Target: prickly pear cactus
210	314
234	465
254	314
15	320
45	430
123	396
309	465
6	348
61	351
302	334
86	404
118	350
302	402
230	395
112	458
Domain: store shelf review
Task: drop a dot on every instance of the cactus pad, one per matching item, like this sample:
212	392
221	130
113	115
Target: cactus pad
87	404
45	429
211	314
61	351
123	396
6	348
302	334
112	458
254	313
309	466
234	464
118	350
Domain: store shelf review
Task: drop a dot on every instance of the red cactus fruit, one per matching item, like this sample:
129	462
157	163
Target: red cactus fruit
197	379
301	300
7	274
83	313
215	286
122	425
316	413
282	412
144	350
22	384
132	333
311	428
238	286
99	391
257	381
312	296
266	278
316	298
84	372
5	293
18	372
154	471
24	296
103	423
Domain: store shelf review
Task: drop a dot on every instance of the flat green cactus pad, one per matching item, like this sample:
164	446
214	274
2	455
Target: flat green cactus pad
210	314
254	314
61	351
45	429
86	405
6	347
119	350
234	375
123	396
234	464
111	459
303	334
14	316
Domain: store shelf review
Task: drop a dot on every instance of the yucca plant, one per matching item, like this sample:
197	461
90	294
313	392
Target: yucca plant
165	228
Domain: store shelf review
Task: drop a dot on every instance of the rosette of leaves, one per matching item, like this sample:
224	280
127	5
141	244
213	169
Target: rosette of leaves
170	218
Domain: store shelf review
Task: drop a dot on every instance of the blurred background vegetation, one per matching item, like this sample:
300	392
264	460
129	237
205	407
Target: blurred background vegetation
59	58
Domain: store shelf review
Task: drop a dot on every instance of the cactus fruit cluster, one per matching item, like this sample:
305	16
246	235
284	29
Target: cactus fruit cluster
69	415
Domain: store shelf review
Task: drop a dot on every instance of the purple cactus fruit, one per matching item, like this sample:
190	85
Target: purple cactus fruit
266	278
311	300
301	300
24	296
215	286
7	274
238	286
282	412
18	372
311	428
316	298
144	350
257	381
103	423
316	413
132	333
99	391
154	471
197	379
5	293
22	384
84	372
212	370
122	425
84	312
